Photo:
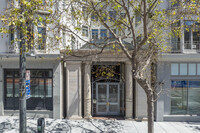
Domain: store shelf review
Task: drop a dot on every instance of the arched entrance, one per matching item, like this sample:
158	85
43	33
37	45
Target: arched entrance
107	89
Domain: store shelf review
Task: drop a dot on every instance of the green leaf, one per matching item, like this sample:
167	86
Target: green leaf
77	28
40	19
39	35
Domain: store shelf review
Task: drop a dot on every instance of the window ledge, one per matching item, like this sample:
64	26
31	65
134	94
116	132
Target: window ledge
188	51
178	118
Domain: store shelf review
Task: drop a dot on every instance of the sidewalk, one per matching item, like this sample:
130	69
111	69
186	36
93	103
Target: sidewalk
10	124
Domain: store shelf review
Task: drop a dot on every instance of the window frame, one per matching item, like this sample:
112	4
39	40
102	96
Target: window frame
175	39
85	31
95	36
44	77
44	35
191	27
112	15
111	36
188	74
73	42
94	17
103	33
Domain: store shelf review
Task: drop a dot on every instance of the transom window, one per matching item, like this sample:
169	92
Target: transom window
185	69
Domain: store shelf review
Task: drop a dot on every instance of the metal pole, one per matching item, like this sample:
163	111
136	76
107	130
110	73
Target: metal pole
22	89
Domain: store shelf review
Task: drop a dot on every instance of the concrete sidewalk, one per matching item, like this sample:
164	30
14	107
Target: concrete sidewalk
10	124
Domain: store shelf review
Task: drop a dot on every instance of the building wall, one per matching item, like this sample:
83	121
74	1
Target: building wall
32	63
163	107
163	102
141	102
5	39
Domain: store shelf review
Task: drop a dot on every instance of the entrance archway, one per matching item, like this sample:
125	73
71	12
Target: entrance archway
107	89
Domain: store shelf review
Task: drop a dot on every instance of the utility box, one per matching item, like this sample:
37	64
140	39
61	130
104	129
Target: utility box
40	125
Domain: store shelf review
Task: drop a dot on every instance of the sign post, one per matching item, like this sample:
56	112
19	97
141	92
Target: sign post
28	91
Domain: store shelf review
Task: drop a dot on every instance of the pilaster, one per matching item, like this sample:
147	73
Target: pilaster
129	91
73	89
87	90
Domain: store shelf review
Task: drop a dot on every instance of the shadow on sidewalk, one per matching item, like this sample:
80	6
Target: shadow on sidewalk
194	126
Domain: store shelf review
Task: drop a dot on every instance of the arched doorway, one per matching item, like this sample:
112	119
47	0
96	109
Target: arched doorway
107	89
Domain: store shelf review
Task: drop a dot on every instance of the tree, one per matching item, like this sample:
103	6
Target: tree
144	24
20	20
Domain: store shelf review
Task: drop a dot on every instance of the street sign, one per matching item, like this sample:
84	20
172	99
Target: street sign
28	91
28	73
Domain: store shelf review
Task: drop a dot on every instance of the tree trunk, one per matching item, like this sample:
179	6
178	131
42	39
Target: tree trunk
150	111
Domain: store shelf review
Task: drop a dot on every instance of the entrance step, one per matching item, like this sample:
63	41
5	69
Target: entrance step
108	118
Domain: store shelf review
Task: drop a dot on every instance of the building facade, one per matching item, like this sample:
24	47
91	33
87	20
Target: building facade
178	71
64	86
45	80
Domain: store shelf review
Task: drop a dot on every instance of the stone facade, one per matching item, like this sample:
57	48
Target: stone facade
79	87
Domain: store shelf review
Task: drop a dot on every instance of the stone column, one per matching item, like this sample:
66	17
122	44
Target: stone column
129	91
57	92
73	89
87	90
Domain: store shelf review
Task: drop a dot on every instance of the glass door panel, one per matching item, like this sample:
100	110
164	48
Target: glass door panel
102	93
9	99
102	108
113	99
102	99
37	99
16	87
41	88
113	93
179	97
48	87
16	90
9	87
113	109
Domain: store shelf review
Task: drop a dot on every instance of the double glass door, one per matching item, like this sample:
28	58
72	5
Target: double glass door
108	99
